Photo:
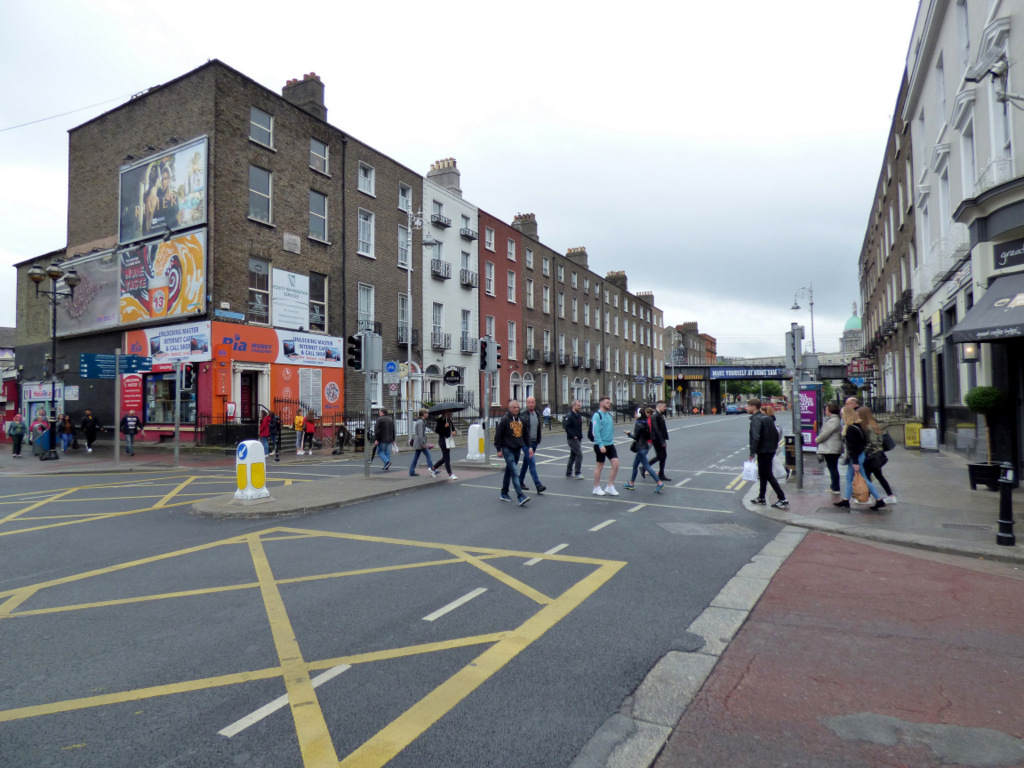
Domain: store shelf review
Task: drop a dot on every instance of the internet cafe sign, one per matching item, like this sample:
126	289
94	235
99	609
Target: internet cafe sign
1009	254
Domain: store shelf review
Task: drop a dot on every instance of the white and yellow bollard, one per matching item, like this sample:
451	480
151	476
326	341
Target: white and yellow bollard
475	443
251	472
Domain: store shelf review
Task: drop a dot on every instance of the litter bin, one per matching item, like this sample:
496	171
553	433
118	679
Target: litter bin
360	441
791	451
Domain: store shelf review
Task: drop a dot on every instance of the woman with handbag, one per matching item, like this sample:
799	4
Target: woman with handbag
876	458
446	439
830	444
641	435
418	442
856	444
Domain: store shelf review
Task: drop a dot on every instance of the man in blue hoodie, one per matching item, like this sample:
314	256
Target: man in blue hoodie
603	425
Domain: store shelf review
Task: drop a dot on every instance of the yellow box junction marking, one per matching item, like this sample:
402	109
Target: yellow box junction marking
314	738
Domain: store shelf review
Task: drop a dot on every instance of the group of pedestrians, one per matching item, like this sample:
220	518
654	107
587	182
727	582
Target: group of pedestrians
445	430
65	434
862	438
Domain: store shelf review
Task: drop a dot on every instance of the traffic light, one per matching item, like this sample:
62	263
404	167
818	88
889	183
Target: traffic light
483	354
355	352
493	357
188	376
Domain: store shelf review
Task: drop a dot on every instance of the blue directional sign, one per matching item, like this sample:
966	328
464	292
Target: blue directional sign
243	451
105	366
135	363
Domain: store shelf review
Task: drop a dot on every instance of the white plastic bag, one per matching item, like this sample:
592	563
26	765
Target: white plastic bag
778	466
750	470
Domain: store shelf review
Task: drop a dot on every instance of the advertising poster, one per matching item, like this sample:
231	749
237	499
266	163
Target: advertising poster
188	342
164	192
809	417
290	299
132	393
163	279
265	345
94	307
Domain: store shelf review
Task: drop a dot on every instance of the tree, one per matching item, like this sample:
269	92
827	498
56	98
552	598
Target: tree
985	401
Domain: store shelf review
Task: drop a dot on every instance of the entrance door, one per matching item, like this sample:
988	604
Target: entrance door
247	396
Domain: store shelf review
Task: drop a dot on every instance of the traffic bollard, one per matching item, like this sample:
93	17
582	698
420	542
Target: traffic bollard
1005	536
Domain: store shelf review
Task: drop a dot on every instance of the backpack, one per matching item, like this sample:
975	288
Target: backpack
590	429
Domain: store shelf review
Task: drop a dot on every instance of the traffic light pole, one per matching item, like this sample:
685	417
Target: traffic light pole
179	368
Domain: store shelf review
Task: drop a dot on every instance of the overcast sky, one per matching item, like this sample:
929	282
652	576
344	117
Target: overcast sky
724	155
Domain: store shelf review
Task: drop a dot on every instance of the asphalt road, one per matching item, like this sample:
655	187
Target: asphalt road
439	627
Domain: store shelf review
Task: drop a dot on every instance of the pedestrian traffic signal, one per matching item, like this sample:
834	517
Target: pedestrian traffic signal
483	354
493	357
188	375
355	352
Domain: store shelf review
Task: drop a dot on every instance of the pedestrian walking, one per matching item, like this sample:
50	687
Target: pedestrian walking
573	424
875	457
547	416
445	432
602	426
275	435
764	440
659	438
420	446
509	441
17	430
531	440
264	433
384	437
66	431
830	444
130	426
298	424
641	435
856	444
308	432
90	428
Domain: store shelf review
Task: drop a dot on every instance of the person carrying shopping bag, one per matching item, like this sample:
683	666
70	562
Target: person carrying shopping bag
856	442
446	440
419	444
641	435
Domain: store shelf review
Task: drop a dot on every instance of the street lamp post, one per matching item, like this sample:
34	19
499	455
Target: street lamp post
808	292
55	272
415	221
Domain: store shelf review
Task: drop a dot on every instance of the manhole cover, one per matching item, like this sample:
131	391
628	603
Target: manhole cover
709	529
967	527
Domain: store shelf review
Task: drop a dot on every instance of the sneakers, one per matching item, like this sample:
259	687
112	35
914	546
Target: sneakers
88	450
665	479
890	499
299	453
505	497
629	487
541	488
658	487
760	501
598	491
879	504
414	474
523	499
610	490
577	477
781	504
524	486
433	472
387	466
844	503
835	492
452	477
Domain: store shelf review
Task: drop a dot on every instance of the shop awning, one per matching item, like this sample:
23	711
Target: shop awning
998	315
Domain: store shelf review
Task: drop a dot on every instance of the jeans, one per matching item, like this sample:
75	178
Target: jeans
298	440
129	443
575	464
660	455
765	476
641	460
849	479
265	441
832	462
511	456
416	458
529	463
384	451
65	441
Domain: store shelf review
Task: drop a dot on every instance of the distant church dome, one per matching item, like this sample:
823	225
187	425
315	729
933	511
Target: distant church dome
853	324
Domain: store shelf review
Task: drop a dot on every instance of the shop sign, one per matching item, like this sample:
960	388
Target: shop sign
452	377
1009	254
290	299
188	342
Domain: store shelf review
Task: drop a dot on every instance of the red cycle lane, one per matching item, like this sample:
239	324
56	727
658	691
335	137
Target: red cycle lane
865	655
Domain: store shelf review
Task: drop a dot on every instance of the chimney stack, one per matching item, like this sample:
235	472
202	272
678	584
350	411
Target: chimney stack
578	256
618	279
307	94
446	175
527	224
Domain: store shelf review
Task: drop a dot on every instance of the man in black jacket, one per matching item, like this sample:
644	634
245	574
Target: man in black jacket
659	438
573	423
764	440
508	442
531	440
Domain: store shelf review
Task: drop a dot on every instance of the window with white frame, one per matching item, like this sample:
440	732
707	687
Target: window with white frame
547	342
573	281
530	337
586	351
545	266
365	308
511	249
404	325
319	157
529	258
586	285
367	179
261	127
561	273
365	246
437	208
467	264
546	299
575	310
586	313
607	296
597	320
465	222
489	278
495	388
260	194
529	293
511	287
317	302
561	304
615	301
967	159
467	319
489	238
317	216
940	88
437	315
259	291
404	197
561	343
489	326
404	245
565	389
575	346
512	340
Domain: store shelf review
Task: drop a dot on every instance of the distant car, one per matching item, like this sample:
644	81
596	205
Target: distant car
734	408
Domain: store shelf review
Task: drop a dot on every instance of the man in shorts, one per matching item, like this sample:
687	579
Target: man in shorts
603	425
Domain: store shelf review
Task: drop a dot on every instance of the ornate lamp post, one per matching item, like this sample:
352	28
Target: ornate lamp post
55	272
808	292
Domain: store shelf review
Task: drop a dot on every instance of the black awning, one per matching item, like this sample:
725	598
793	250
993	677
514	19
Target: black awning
998	315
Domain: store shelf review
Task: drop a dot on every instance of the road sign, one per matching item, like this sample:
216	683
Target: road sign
390	372
391	366
392	388
105	366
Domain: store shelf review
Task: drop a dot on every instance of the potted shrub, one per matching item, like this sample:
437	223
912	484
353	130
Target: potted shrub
984	401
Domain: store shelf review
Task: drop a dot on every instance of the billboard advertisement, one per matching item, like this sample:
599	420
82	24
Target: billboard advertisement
290	299
809	399
164	192
162	280
187	342
266	345
94	307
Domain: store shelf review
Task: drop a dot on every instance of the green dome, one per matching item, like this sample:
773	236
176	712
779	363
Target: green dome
853	324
